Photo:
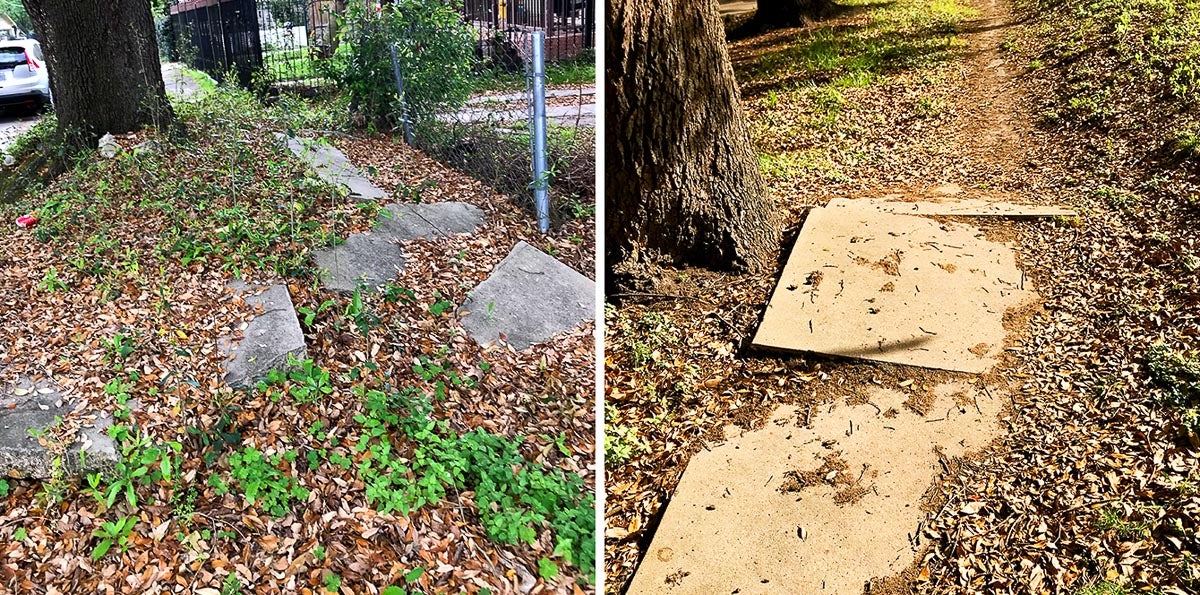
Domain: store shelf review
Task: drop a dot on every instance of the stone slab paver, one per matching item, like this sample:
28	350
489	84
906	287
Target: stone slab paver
730	528
372	259
960	207
332	166
267	341
33	407
528	298
375	257
178	83
414	221
895	288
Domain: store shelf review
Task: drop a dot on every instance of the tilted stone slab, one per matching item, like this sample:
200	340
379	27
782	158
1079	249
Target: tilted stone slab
895	288
371	259
30	408
963	207
332	166
529	298
374	258
414	221
267	341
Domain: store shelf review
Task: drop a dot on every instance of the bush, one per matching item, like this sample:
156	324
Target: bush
435	50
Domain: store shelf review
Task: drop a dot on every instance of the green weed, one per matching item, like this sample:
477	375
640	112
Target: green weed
1176	372
111	533
261	481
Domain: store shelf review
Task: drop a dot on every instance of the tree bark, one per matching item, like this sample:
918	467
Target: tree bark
790	13
104	67
682	177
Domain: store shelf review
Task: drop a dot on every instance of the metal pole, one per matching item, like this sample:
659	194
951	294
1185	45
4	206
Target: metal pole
408	134
541	182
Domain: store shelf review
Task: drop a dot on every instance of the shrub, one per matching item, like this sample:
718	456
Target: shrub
435	51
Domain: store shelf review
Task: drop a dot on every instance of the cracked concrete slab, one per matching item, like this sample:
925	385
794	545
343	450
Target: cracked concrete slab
825	508
267	340
369	258
332	166
896	288
29	408
375	257
528	298
415	221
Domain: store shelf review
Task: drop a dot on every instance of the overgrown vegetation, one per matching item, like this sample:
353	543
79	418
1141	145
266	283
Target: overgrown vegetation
809	95
155	234
433	46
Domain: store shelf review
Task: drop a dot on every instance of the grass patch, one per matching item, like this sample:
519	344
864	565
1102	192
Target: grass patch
789	164
894	36
1103	588
1176	372
580	70
1128	67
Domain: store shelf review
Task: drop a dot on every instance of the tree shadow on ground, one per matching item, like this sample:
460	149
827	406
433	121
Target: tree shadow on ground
858	48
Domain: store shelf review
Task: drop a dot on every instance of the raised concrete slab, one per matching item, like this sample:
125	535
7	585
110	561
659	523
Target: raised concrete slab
371	259
820	509
178	83
529	298
374	258
413	221
30	408
966	207
895	288
332	166
267	341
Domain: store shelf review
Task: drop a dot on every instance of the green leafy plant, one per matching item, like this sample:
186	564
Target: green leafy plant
113	533
435	51
360	314
142	463
1177	372
308	381
262	483
547	569
333	582
119	347
231	585
51	283
310	315
394	294
514	496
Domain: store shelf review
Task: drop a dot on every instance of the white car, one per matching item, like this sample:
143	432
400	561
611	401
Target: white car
23	78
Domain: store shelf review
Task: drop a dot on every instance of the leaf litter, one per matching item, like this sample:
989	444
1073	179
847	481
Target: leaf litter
142	248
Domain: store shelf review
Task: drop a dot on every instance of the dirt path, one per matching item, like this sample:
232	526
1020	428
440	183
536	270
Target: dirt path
981	144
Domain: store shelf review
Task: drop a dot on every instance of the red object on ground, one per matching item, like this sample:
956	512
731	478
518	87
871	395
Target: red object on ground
27	220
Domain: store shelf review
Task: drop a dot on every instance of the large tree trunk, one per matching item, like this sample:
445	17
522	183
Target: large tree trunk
786	13
682	178
103	62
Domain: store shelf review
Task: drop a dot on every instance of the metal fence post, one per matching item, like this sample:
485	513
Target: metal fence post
408	133
541	183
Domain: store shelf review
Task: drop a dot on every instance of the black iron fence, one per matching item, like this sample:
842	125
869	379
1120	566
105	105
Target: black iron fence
219	37
569	24
280	44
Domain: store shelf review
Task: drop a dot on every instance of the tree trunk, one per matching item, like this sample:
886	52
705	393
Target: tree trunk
789	13
682	178
104	67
